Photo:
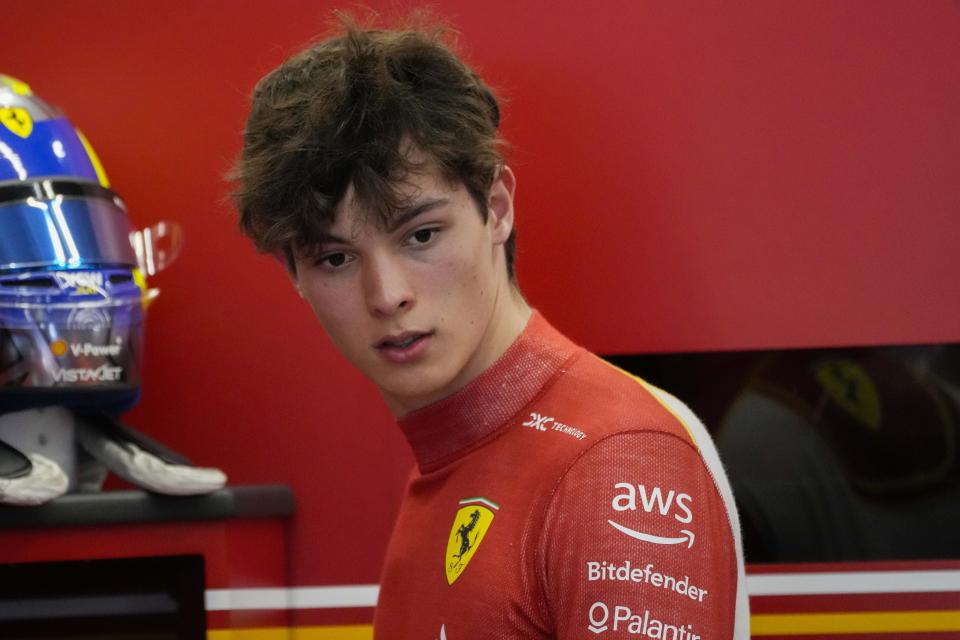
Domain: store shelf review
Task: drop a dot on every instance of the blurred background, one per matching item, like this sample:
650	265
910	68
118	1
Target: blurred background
693	177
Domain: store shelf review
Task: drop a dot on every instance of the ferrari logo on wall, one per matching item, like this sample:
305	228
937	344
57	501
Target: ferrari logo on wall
470	525
17	120
851	388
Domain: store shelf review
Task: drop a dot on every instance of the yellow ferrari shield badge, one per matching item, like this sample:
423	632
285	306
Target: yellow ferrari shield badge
469	528
851	388
17	120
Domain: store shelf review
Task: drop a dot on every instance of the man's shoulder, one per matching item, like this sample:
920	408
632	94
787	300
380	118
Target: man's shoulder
593	400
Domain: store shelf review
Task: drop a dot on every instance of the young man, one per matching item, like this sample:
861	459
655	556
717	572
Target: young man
556	496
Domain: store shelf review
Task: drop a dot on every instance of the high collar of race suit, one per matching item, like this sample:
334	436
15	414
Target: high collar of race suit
450	428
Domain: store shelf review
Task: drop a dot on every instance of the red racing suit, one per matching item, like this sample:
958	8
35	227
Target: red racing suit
559	497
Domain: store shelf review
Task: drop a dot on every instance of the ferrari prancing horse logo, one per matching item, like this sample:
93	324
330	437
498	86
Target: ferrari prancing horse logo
469	528
17	120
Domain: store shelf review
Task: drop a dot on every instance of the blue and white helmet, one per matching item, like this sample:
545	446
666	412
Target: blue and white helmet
72	295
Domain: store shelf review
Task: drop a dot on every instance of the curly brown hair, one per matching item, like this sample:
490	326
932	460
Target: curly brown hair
349	110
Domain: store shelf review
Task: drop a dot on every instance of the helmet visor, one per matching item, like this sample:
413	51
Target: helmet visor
64	232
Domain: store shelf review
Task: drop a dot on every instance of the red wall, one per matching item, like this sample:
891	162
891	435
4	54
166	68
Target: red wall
693	175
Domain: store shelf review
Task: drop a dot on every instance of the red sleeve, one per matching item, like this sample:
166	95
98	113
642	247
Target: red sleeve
637	542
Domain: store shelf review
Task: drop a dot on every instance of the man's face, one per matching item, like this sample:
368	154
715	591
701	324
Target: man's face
418	306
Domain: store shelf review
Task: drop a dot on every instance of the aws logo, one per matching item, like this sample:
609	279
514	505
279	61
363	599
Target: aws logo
655	501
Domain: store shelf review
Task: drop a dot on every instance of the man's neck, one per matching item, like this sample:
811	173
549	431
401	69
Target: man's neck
510	316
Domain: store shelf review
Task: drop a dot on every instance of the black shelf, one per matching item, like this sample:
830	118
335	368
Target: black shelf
138	507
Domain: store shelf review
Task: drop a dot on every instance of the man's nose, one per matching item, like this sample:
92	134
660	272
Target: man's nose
387	287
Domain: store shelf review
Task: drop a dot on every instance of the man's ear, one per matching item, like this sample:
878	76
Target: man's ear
500	204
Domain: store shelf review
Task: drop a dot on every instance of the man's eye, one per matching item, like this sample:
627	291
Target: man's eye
334	260
423	236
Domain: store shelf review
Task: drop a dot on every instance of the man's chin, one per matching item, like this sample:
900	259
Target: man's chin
412	394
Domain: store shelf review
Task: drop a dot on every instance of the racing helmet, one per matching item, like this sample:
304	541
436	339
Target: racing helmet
72	295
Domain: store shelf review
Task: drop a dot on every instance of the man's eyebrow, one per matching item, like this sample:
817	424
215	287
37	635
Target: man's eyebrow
394	223
407	215
329	238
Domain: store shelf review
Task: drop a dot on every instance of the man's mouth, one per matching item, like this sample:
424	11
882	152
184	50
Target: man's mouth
403	340
405	348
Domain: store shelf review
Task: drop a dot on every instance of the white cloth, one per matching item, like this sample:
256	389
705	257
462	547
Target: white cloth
146	470
45	482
